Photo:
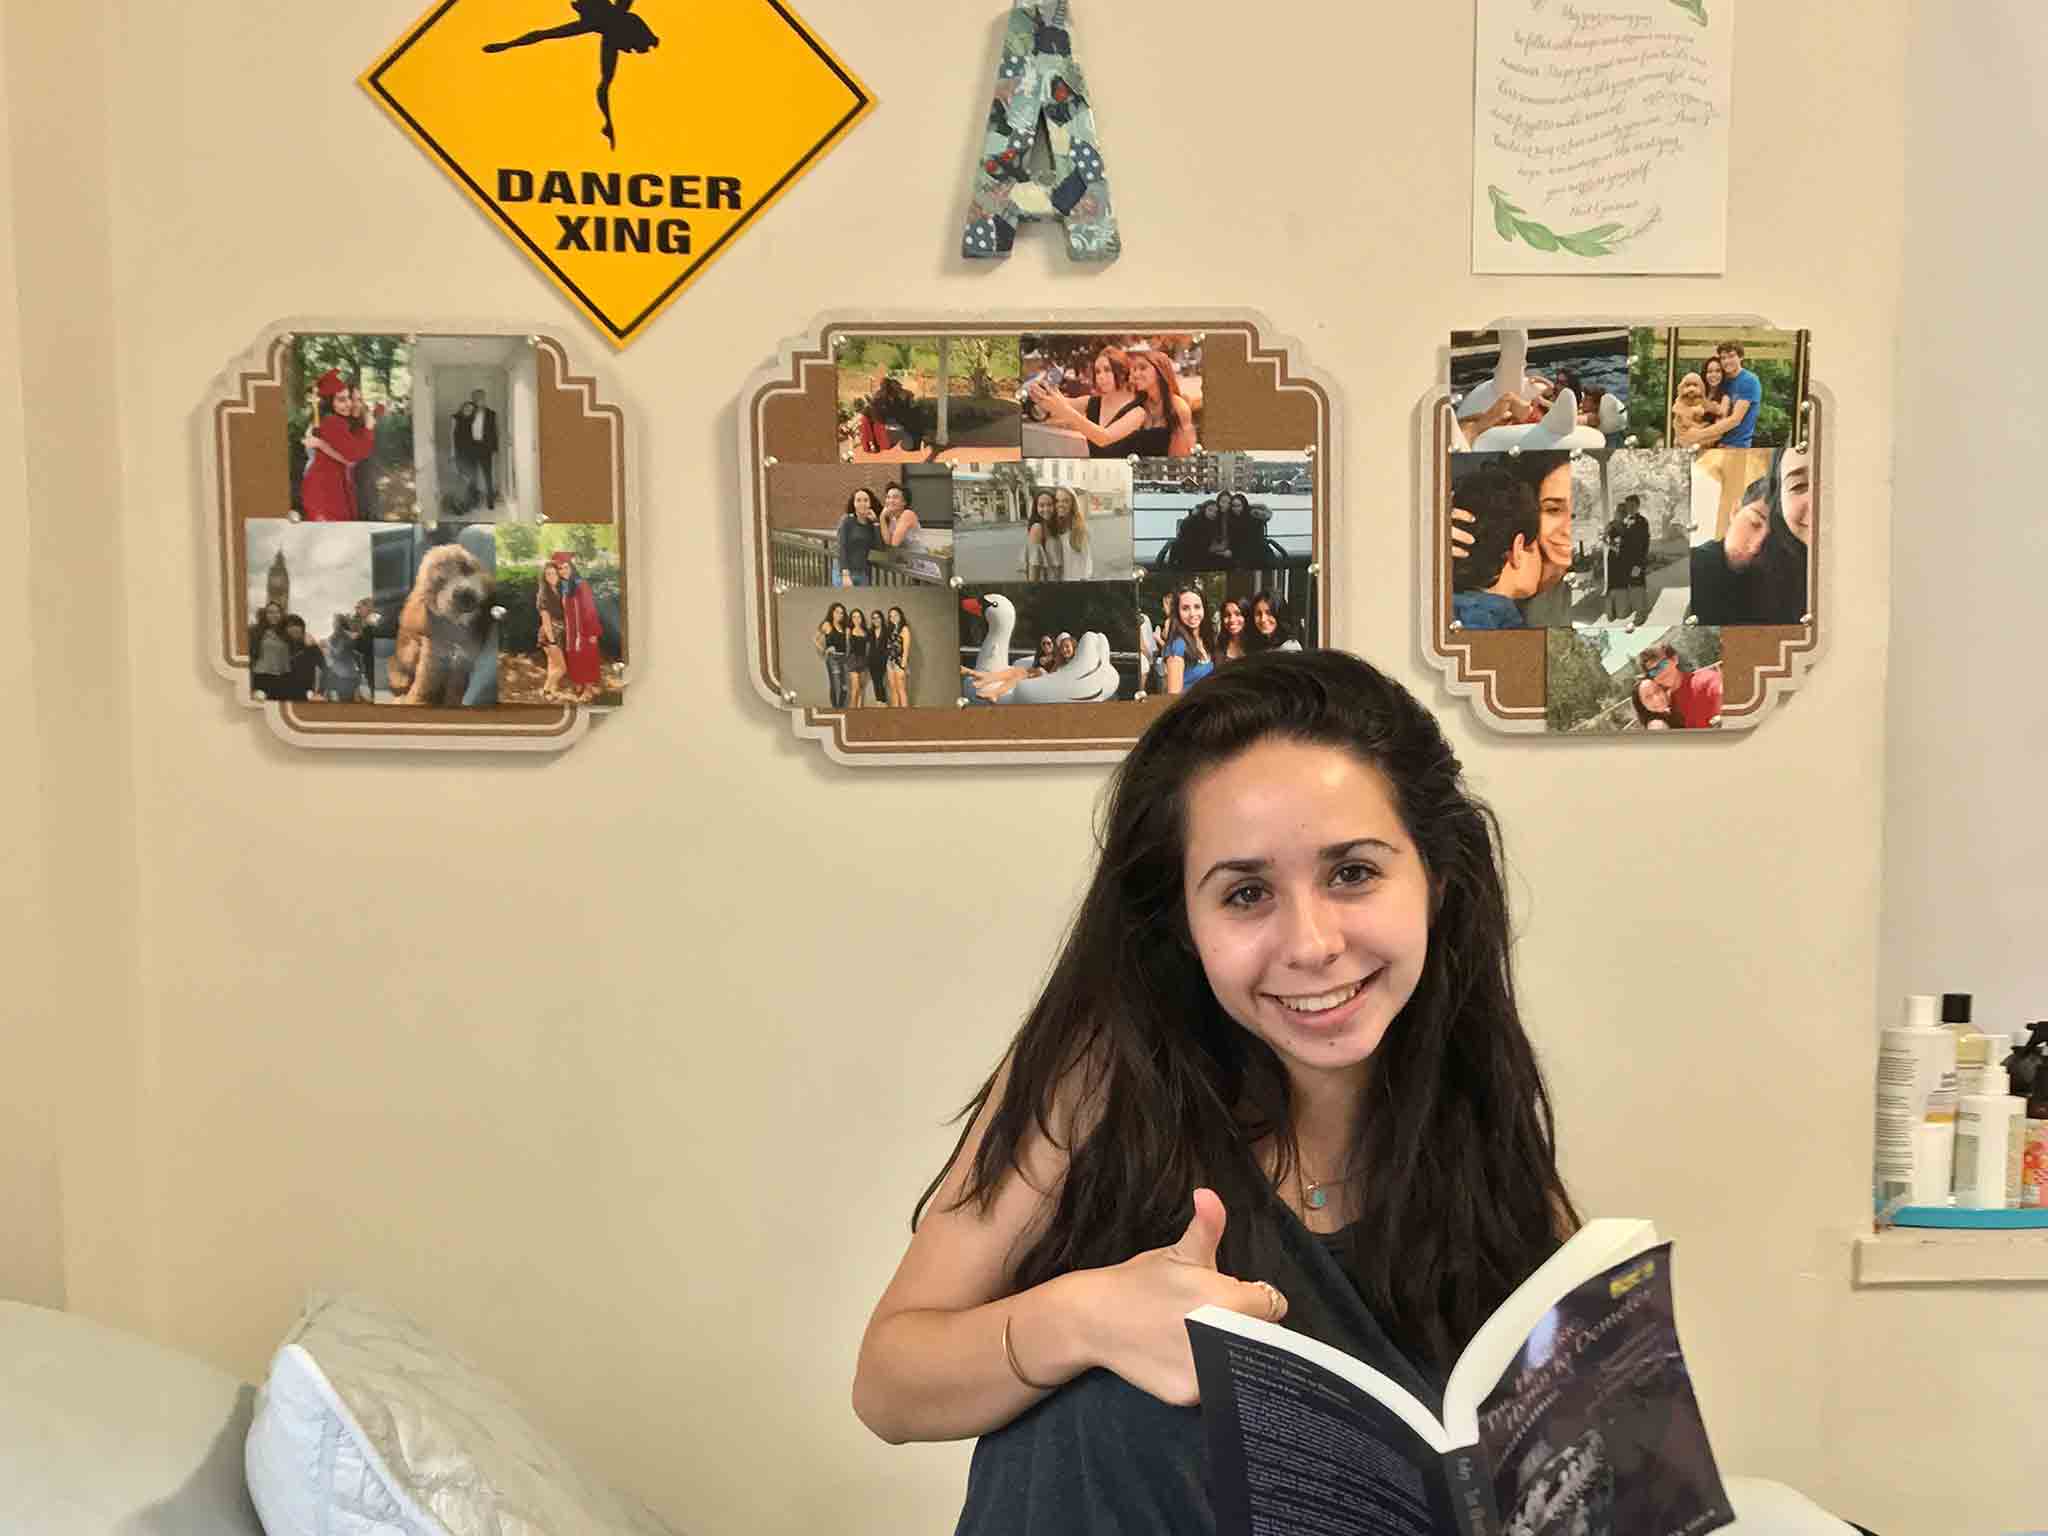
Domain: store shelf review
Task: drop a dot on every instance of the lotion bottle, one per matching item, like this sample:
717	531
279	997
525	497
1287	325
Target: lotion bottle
1915	1117
1990	1132
2029	1069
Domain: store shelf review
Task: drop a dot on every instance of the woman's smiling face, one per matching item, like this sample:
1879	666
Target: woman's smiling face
1307	902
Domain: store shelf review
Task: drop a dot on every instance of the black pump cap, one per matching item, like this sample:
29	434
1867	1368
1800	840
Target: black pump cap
1955	1007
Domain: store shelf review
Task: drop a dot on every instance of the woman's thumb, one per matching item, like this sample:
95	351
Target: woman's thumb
1198	1244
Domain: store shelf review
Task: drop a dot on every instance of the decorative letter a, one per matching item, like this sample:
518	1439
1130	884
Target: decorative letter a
1039	85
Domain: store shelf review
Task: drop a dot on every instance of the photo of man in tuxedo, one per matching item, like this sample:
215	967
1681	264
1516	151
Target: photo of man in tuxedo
475	445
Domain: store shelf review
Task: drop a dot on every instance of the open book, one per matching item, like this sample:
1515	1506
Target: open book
1570	1413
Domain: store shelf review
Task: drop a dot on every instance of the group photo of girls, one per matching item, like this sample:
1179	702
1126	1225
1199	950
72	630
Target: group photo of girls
890	650
913	398
1189	626
1049	643
1606	680
313	618
874	520
859	525
1043	520
349	429
1107	397
1235	511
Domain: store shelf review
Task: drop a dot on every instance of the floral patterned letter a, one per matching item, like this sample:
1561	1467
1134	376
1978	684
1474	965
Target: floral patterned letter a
1039	87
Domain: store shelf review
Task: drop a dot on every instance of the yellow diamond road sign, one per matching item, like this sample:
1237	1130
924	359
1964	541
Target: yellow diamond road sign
623	144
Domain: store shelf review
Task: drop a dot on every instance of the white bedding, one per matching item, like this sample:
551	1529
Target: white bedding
104	1434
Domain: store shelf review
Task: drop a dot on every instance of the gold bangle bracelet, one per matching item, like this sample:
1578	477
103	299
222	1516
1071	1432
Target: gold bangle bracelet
1016	1370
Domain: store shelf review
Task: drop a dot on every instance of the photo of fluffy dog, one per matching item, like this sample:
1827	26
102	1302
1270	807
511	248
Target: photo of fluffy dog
446	625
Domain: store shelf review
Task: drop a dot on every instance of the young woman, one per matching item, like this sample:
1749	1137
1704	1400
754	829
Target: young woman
899	659
1215	552
857	659
1653	709
830	643
341	679
270	654
1232	632
1042	549
997	681
581	631
547	598
857	534
1716	389
1270	629
1247	532
897	409
878	656
1290	972
302	668
1784	581
1112	397
1758	572
1164	426
899	525
1190	641
337	443
1070	533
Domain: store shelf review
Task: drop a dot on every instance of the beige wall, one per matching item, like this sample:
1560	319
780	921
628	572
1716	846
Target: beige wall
31	1205
582	1061
1964	884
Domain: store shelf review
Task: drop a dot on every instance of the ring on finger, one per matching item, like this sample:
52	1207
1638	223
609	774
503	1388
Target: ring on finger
1272	1300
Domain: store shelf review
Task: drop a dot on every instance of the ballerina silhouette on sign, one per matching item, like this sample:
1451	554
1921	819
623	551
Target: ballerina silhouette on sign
615	23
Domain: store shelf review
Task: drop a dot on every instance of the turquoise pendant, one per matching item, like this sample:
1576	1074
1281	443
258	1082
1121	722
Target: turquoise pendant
1316	1198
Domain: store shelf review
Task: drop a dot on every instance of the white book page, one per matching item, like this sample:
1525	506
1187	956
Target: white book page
1598	1245
1373	1383
1600	135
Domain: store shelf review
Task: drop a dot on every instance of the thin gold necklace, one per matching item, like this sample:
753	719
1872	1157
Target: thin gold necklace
1312	1189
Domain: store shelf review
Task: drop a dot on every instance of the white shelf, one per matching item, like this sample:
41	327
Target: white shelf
1944	1256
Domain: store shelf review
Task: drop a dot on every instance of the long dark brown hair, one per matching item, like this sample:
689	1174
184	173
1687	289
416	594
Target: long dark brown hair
1781	570
1461	1197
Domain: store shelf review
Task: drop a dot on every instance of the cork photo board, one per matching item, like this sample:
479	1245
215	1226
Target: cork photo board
1015	539
1621	523
418	539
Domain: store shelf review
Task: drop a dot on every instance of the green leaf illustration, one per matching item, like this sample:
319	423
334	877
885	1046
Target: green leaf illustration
1600	240
1696	9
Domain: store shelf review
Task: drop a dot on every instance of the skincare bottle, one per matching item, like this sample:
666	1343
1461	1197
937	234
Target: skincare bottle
2029	1070
1955	1010
1915	1118
1990	1131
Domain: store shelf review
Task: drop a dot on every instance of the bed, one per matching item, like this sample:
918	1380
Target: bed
105	1434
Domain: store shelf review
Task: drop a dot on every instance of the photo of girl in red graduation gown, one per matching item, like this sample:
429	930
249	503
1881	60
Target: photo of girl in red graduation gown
349	428
581	631
343	437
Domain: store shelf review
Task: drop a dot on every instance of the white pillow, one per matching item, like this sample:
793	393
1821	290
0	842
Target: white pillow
366	1425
